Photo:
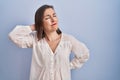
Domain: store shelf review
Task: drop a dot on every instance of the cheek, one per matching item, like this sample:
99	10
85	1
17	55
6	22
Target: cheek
56	19
46	23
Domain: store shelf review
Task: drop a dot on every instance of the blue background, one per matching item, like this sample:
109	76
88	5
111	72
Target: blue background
94	22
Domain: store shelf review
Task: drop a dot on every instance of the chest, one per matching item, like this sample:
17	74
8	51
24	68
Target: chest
53	45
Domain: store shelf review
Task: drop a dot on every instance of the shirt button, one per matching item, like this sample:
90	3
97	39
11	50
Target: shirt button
52	74
51	57
52	62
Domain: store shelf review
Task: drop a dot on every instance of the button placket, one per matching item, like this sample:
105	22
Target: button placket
52	67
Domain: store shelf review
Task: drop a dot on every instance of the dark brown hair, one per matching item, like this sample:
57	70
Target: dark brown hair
39	21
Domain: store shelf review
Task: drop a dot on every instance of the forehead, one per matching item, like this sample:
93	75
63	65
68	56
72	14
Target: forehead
49	11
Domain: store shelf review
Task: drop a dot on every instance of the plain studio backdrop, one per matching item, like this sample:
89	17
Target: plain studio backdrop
94	22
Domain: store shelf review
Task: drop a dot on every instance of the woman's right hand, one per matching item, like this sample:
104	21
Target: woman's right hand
32	27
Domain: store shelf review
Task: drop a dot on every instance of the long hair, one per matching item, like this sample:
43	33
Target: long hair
39	21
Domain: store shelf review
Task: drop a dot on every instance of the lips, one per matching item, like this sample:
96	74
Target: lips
53	24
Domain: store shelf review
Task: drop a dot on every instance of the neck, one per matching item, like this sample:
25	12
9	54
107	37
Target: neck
52	36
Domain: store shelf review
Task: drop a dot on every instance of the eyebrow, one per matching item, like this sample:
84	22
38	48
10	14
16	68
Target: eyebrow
49	15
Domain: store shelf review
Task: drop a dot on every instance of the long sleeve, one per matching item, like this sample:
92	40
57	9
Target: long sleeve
21	36
81	53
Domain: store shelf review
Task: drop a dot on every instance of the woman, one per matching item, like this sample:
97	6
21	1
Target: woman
51	47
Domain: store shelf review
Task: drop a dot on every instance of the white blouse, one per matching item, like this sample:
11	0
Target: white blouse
47	65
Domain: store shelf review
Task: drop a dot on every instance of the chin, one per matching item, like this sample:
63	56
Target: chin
54	29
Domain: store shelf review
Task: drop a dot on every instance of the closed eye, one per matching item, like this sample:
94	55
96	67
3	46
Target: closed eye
54	15
47	17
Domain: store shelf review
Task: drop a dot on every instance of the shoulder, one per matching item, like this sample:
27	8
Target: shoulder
73	40
68	37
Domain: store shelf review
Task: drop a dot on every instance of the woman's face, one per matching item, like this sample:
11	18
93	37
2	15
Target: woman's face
50	20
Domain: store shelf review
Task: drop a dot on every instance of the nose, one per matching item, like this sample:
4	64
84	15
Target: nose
52	19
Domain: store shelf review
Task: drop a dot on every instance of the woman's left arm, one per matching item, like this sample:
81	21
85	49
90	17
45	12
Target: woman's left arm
81	53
